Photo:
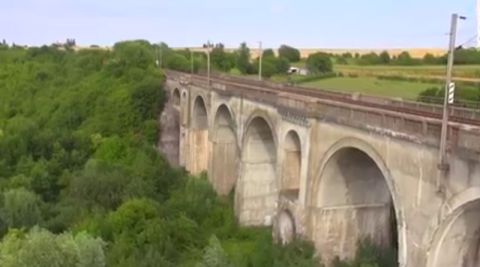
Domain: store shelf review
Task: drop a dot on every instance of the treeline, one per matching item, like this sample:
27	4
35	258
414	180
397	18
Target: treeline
462	57
238	61
81	182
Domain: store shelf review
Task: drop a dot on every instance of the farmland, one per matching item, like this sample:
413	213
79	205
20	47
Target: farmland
372	86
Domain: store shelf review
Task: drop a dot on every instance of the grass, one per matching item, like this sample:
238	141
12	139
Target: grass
460	71
372	86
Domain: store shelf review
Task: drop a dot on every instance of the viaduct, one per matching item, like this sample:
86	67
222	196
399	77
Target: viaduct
332	168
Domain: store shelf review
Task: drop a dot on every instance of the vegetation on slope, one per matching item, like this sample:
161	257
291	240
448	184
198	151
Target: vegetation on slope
81	183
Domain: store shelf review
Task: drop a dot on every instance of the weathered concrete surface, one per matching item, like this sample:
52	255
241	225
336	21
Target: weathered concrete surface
334	173
169	139
225	155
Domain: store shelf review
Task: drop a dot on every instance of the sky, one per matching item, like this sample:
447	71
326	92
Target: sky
179	23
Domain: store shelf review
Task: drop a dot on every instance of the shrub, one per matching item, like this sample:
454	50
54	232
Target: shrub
41	248
319	63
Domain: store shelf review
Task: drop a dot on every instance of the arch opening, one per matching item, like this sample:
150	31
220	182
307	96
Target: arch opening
352	202
291	166
199	137
458	243
225	152
176	97
200	118
256	193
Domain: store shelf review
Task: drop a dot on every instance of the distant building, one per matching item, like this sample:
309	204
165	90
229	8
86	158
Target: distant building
298	71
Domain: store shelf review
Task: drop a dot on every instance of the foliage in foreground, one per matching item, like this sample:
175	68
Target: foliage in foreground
39	247
81	183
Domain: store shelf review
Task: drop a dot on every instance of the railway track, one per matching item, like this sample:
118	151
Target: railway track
333	96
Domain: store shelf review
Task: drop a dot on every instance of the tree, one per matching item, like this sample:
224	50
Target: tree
243	59
268	53
178	62
385	57
319	63
467	56
429	59
41	248
21	208
220	59
404	58
214	255
370	59
290	53
134	53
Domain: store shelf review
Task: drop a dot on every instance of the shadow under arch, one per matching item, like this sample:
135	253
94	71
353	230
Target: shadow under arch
225	152
352	197
198	137
256	192
176	97
291	165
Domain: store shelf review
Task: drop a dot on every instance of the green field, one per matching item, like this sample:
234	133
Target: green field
372	86
460	71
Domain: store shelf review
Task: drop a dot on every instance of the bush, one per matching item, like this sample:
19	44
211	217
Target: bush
21	208
319	63
41	248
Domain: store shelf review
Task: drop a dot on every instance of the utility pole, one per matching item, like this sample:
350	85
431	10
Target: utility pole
260	61
443	161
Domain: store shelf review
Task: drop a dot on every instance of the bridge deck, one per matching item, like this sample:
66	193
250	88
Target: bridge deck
414	121
457	114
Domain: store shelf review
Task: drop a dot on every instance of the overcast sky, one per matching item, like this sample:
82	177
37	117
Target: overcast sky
301	23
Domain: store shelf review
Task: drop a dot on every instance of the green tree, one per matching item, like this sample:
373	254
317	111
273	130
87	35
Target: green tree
319	63
21	208
220	59
134	53
370	59
404	58
430	59
214	255
384	57
178	62
268	53
41	248
290	53
243	59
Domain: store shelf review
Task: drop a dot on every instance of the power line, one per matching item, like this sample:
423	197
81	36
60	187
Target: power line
474	38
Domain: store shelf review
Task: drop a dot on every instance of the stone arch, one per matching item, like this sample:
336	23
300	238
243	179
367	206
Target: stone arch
225	151
456	243
291	165
353	197
256	192
176	97
199	137
199	114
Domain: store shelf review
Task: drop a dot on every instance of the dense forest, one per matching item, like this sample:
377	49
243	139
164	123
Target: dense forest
82	183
